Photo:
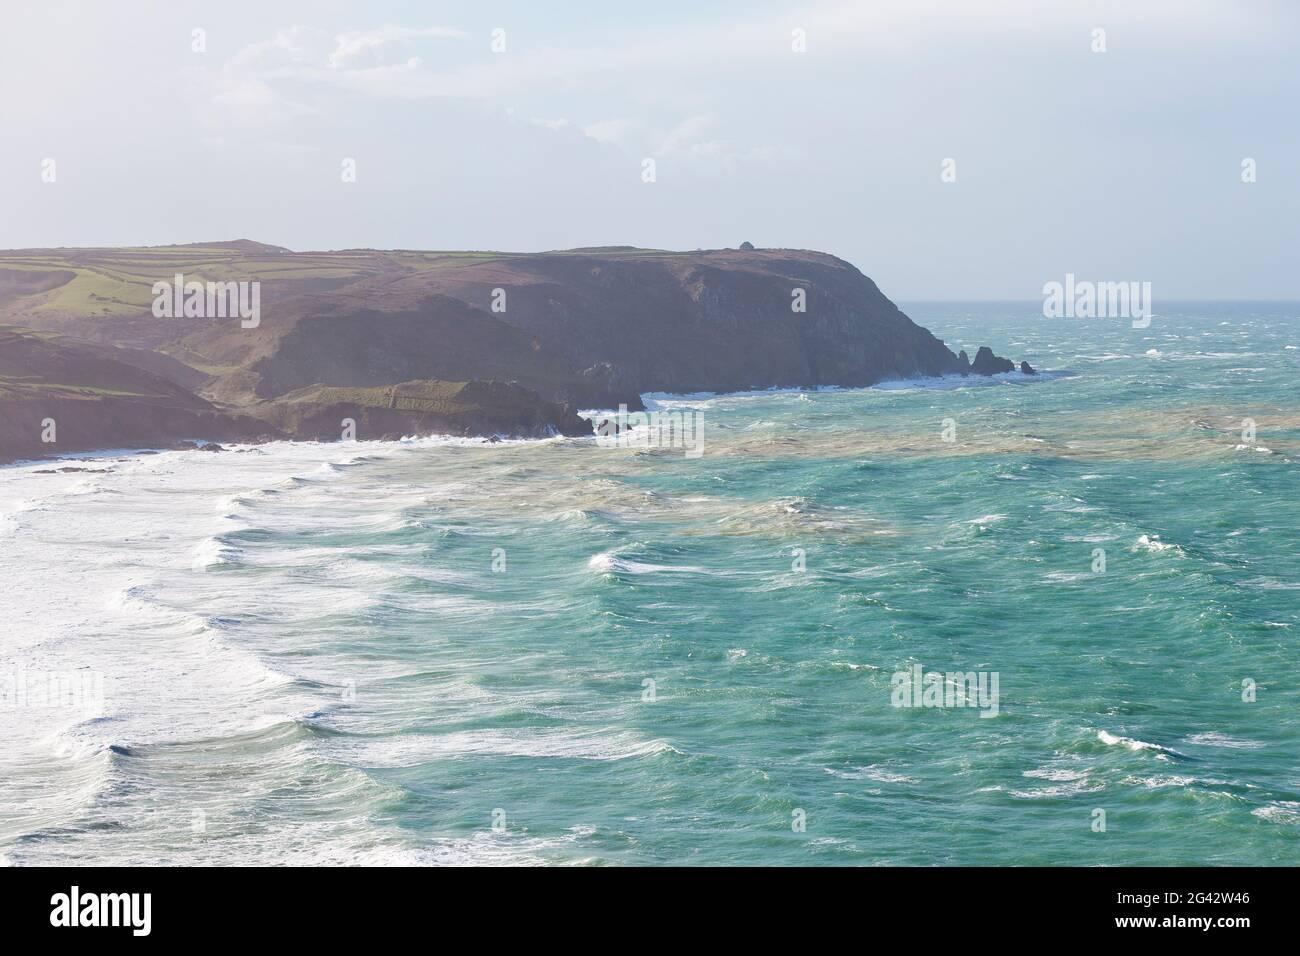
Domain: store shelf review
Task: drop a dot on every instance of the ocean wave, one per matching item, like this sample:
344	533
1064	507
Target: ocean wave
987	519
609	562
508	847
138	606
596	744
1158	783
797	516
1286	812
946	383
667	401
1153	545
872	772
1068	788
1067	577
1213	738
1131	743
215	552
1056	774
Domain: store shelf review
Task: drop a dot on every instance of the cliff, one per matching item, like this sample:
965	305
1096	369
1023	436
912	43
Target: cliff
422	408
59	396
407	341
591	328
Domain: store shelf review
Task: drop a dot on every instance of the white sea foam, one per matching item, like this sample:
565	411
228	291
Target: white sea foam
1153	544
987	519
1056	774
1068	788
1213	738
944	383
1067	577
1158	782
600	744
1279	811
213	552
608	561
873	772
1131	743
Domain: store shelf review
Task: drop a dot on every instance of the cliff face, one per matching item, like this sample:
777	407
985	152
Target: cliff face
83	398
590	328
349	342
423	408
60	396
717	321
587	328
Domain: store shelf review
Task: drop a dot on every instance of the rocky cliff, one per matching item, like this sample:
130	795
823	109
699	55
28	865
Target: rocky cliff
59	396
596	328
406	341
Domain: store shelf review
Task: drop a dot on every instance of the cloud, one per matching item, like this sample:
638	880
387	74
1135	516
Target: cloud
551	124
613	131
379	62
366	47
686	135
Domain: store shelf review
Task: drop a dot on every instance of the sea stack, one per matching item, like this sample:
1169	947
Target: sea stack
986	363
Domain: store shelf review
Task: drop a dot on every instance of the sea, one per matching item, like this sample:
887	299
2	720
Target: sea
1022	620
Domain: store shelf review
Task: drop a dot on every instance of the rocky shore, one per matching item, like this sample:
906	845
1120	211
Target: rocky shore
417	343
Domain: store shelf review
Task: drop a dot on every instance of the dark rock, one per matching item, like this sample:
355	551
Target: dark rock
963	362
186	445
1027	369
424	407
746	247
986	363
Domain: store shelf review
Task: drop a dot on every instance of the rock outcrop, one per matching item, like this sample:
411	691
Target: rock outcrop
422	408
986	363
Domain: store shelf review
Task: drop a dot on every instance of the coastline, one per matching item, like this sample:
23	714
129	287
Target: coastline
653	401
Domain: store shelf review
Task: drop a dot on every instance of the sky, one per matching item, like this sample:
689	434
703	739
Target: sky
1122	164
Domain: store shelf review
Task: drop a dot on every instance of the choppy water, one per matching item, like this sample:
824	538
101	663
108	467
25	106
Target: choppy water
306	654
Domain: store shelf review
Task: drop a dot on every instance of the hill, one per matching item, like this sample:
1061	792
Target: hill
582	328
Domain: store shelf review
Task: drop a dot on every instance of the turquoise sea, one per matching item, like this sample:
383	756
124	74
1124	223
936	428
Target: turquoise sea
445	651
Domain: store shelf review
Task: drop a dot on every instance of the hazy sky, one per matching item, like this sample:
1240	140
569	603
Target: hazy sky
1122	165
